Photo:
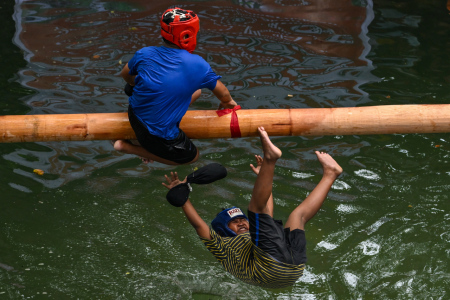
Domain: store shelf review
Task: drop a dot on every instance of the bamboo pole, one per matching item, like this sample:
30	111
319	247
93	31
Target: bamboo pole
203	124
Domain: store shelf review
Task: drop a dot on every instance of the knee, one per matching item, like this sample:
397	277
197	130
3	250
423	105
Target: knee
301	218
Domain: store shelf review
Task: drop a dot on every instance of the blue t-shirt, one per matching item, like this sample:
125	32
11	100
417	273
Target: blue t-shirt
166	79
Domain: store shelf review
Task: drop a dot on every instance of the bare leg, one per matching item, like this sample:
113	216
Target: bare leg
129	148
259	161
263	185
311	205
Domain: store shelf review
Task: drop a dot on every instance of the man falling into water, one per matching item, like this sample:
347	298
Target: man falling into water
162	82
259	250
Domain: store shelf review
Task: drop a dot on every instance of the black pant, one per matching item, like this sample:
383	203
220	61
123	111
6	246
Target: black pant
179	150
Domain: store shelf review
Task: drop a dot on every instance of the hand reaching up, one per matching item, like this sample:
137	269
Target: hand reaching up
259	161
173	181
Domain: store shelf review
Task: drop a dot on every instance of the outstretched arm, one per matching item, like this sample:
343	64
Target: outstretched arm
125	73
196	221
193	217
222	93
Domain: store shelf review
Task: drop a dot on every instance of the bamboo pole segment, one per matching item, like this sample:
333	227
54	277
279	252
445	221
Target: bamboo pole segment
203	124
65	127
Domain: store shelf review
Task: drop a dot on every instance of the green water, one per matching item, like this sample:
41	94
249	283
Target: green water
96	225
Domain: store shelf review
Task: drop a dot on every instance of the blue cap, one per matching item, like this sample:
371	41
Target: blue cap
220	222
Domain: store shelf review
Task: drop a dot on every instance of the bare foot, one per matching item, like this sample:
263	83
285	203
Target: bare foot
123	145
330	166
259	161
271	152
119	145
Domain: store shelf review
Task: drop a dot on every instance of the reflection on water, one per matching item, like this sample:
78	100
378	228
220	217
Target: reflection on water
274	50
270	55
96	223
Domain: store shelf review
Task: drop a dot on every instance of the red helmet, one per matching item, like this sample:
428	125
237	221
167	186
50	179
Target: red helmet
182	29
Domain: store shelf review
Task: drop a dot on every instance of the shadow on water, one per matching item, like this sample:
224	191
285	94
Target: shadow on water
96	224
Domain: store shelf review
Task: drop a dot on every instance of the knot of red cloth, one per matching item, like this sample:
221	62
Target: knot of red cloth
234	124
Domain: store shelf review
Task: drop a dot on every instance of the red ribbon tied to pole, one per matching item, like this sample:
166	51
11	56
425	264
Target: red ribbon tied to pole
234	124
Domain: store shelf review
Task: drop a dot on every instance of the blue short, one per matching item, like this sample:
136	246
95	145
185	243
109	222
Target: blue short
281	243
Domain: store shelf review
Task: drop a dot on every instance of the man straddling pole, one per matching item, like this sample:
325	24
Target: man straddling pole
257	249
162	82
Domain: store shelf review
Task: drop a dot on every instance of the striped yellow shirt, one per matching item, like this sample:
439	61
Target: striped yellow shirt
241	258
